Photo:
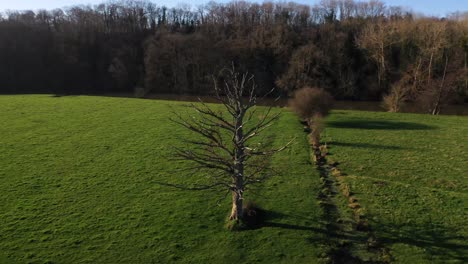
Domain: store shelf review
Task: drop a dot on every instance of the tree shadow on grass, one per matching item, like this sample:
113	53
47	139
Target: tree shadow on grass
285	221
437	240
277	219
292	227
365	145
59	95
378	125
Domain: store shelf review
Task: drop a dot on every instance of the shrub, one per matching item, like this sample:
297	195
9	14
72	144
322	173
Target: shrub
309	102
394	101
312	104
317	127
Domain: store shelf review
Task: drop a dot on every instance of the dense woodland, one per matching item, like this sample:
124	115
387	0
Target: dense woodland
354	50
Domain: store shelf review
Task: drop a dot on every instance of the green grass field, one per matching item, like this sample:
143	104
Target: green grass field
79	184
409	172
78	178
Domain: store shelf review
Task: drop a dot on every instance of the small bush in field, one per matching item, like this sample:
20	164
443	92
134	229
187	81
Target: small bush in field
309	102
317	128
394	101
312	104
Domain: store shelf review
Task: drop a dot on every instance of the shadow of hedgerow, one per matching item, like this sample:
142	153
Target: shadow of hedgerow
439	241
366	145
378	125
269	218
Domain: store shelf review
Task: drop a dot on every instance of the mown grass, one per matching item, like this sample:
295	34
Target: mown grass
409	173
79	184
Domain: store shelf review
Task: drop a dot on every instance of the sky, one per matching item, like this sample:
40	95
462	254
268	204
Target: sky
428	7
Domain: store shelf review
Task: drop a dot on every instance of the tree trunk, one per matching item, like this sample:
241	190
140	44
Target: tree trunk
416	74
238	177
436	109
429	75
237	207
466	70
382	65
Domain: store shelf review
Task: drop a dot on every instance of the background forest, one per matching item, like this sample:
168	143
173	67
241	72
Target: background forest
354	50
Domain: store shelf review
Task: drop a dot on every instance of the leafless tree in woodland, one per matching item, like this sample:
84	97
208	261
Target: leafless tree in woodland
377	39
225	147
441	91
353	49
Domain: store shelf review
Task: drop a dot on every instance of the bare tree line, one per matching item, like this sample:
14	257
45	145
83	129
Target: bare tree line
352	49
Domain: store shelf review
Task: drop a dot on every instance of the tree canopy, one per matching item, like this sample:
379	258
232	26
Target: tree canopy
352	49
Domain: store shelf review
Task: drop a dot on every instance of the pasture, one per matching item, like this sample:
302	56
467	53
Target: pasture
80	178
80	184
409	172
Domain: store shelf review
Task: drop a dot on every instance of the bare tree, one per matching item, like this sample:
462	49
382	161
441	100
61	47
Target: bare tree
396	98
400	92
225	149
377	39
432	40
442	90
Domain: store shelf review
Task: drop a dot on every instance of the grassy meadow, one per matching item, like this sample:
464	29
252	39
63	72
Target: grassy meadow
80	183
409	172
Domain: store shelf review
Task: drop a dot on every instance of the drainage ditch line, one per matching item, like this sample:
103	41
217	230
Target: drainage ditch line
335	190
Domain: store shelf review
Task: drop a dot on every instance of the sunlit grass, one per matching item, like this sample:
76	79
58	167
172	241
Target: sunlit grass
410	173
79	182
78	178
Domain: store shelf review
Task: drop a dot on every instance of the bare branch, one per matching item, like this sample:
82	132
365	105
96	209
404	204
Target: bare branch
271	151
229	157
263	124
